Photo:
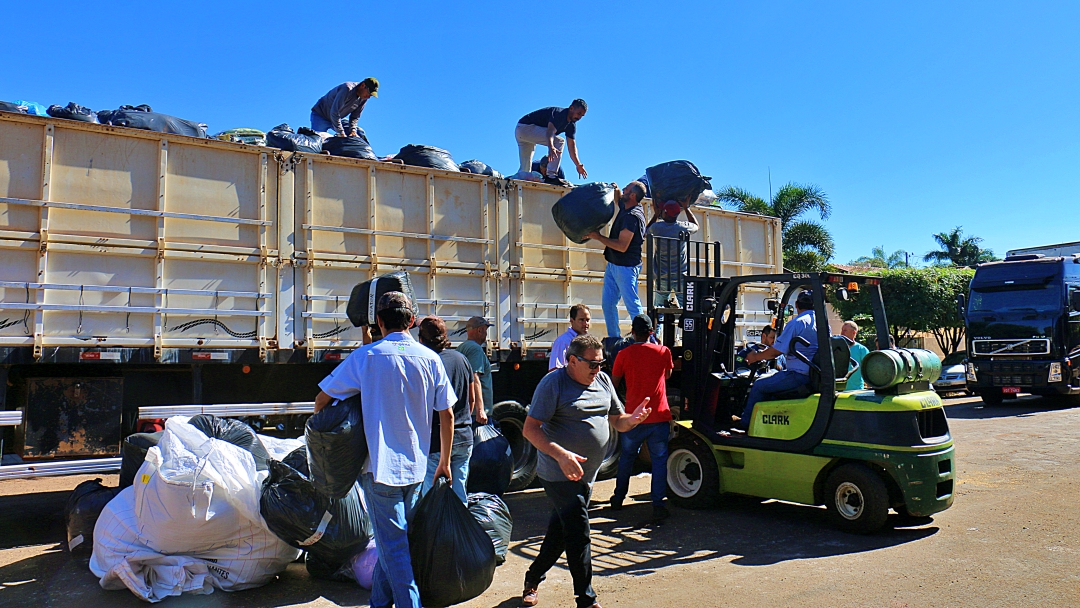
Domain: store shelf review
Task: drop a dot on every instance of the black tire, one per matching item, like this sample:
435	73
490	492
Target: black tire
991	397
609	468
511	418
857	499
693	477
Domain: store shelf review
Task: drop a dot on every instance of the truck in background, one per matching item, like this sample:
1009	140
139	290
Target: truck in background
1061	249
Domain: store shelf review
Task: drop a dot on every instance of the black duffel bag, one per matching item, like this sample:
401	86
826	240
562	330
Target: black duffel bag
73	111
494	517
82	511
676	180
478	167
350	147
492	462
234	432
453	558
133	454
586	208
336	447
426	156
365	296
137	118
283	137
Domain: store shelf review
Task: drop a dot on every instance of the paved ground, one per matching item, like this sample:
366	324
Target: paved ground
1011	539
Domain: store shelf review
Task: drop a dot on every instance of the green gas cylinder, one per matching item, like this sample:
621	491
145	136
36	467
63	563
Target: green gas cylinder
886	368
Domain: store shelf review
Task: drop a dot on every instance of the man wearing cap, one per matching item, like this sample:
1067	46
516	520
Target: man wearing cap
476	330
580	318
346	99
400	383
569	422
466	385
645	366
798	372
669	250
543	127
622	250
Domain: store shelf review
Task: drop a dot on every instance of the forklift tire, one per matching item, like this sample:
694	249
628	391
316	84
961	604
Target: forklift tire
857	499
992	397
693	477
511	418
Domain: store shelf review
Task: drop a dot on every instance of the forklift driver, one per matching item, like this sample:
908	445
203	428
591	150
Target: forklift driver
798	372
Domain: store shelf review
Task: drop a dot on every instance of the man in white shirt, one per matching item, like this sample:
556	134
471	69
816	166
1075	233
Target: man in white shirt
580	317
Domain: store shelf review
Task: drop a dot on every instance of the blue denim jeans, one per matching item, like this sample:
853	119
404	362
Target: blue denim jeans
762	388
620	282
320	124
459	470
391	508
655	435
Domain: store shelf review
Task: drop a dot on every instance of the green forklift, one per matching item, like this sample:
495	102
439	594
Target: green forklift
859	453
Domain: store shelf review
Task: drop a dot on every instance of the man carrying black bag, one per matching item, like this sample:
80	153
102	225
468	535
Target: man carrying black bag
400	383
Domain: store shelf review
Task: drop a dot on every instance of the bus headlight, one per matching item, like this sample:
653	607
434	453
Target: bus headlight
970	372
1055	372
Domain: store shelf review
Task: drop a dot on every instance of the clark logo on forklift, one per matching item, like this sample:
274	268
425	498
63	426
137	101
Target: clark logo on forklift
689	297
774	419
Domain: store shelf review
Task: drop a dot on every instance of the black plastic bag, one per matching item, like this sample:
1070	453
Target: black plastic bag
426	156
492	463
363	299
351	147
133	454
494	517
297	459
540	166
336	447
73	111
478	167
333	530
82	511
453	559
586	208
7	106
234	432
677	180
282	137
136	118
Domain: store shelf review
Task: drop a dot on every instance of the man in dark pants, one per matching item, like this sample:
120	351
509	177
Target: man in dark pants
569	423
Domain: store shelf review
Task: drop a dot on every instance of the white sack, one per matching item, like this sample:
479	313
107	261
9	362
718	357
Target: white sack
280	448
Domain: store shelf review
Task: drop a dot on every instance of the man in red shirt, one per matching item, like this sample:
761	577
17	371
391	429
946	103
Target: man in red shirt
646	367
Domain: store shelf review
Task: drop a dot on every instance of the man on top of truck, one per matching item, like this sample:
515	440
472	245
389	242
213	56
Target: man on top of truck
543	127
622	250
346	99
797	374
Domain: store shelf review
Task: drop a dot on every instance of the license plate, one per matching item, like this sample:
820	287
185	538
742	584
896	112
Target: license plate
1011	390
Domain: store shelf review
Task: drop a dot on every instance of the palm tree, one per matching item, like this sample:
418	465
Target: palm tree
878	259
808	246
958	250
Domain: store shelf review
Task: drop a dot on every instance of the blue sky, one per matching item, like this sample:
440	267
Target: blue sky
914	117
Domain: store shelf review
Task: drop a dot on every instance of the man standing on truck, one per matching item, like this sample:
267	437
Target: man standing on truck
543	127
476	330
669	251
797	374
580	317
400	383
646	366
346	99
622	250
569	422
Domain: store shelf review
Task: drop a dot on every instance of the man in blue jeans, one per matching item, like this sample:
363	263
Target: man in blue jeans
622	250
345	100
401	383
798	372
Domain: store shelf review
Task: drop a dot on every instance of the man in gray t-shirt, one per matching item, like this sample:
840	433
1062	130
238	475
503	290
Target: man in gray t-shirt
569	422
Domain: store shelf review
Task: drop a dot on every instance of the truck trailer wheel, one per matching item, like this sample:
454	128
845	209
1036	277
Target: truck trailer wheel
693	478
856	498
991	396
511	418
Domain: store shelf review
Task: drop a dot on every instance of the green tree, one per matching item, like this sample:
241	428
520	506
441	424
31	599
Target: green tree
808	246
917	300
958	250
878	259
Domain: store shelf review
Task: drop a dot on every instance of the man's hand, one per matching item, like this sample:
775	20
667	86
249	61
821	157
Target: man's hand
481	416
570	463
642	412
593	235
352	133
443	470
322	400
553	155
339	135
582	173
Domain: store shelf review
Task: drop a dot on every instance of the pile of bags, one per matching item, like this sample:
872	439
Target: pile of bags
426	156
283	137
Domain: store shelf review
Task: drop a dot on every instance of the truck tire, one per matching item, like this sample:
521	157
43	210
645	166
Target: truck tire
511	418
991	397
609	468
693	477
856	498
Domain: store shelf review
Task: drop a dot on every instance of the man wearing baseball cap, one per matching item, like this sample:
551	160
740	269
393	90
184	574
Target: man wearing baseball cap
346	99
476	330
401	383
669	250
798	372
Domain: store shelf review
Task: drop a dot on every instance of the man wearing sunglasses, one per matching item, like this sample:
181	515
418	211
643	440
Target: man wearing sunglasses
569	422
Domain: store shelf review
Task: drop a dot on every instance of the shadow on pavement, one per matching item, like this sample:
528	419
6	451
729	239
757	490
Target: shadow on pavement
1025	405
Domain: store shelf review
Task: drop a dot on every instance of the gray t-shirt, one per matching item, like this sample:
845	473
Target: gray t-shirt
574	416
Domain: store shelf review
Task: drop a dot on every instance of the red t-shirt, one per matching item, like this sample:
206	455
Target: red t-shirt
644	366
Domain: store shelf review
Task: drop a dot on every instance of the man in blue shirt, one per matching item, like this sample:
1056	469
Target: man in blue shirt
622	250
401	383
543	127
798	372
